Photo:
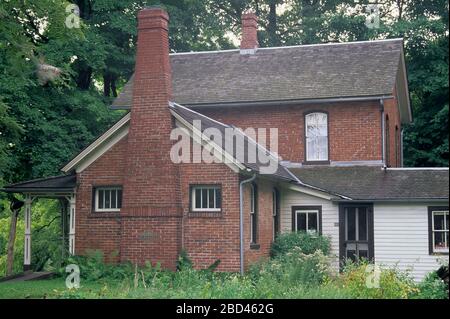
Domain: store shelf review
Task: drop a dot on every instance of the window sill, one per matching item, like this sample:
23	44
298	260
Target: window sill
254	246
205	214
439	253
316	162
112	214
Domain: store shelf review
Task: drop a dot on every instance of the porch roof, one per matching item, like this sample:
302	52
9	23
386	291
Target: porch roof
376	184
59	184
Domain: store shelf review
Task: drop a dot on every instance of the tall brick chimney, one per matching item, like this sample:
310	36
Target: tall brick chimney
151	186
249	41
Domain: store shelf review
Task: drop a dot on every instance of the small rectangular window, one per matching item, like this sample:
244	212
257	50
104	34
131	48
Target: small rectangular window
206	198
108	199
306	219
439	232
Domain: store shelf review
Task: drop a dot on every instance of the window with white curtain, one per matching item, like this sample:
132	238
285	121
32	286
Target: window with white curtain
439	230
316	132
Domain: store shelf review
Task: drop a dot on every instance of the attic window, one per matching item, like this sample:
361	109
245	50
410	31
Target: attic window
316	137
108	199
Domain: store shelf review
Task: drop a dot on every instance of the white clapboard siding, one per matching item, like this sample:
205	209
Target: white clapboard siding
330	216
400	231
401	238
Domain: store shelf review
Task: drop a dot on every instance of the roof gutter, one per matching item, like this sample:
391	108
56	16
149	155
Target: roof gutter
292	102
241	220
395	200
276	102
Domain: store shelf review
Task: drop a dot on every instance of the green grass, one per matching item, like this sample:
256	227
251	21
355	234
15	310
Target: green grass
55	288
38	289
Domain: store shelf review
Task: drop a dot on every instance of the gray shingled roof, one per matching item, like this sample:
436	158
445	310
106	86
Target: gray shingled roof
49	184
206	122
356	69
374	183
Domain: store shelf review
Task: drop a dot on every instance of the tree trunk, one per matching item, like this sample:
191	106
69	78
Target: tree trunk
12	239
272	26
106	84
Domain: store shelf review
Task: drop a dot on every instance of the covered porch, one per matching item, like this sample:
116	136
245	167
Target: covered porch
62	188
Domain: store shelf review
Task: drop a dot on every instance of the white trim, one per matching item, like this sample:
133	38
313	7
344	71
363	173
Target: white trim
307	212
405	83
27	239
121	127
332	44
356	163
306	190
203	140
173	104
72	220
106	188
417	168
308	118
204	52
433	231
208	188
288	47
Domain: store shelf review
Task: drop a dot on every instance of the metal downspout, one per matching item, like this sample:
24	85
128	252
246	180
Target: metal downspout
241	220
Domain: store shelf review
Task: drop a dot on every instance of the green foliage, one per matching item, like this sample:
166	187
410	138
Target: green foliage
307	243
432	287
93	267
296	267
184	262
292	275
392	284
46	246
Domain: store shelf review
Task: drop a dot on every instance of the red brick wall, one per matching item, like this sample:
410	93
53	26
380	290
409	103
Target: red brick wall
211	236
264	220
354	128
391	110
99	231
205	236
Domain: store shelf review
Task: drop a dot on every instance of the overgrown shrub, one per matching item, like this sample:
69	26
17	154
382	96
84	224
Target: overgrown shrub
184	262
295	267
307	243
92	267
432	287
362	281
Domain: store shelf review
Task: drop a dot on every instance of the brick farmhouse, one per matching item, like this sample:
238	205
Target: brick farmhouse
338	110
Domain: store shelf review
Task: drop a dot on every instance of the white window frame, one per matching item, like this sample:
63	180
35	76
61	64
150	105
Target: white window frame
109	188
308	212
314	159
253	209
208	188
433	231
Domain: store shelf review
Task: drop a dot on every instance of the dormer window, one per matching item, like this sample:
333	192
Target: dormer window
316	137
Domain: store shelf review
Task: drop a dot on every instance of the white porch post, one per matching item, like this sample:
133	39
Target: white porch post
72	224
27	243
